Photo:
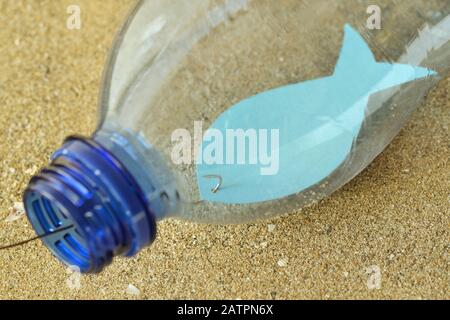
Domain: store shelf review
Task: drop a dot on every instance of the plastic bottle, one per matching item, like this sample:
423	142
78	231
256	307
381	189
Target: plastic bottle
315	90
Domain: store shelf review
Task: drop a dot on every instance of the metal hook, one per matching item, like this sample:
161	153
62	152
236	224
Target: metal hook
214	176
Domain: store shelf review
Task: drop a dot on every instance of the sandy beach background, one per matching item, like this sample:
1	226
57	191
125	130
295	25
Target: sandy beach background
393	219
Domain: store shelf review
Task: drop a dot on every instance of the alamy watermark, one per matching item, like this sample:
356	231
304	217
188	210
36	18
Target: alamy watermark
73	21
374	277
73	282
259	147
374	20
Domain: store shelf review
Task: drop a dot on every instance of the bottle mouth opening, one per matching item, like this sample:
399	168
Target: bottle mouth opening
87	208
61	233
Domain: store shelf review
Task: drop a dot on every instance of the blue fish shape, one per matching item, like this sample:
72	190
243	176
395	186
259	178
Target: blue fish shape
316	120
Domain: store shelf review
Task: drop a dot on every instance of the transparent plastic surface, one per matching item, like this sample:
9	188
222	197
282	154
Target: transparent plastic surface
177	63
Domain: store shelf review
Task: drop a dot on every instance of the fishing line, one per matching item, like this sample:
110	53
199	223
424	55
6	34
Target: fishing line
21	243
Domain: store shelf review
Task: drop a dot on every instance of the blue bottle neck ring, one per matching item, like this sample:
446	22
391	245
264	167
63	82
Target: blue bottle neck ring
87	187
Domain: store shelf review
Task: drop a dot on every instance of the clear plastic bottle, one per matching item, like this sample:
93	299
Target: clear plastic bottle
334	81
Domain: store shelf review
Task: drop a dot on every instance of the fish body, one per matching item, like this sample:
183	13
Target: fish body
317	122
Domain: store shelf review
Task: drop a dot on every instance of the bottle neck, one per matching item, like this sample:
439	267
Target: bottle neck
147	167
100	198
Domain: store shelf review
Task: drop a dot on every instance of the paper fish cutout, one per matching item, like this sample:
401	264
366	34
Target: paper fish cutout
316	120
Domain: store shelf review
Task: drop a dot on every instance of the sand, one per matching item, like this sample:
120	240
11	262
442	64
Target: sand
393	218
